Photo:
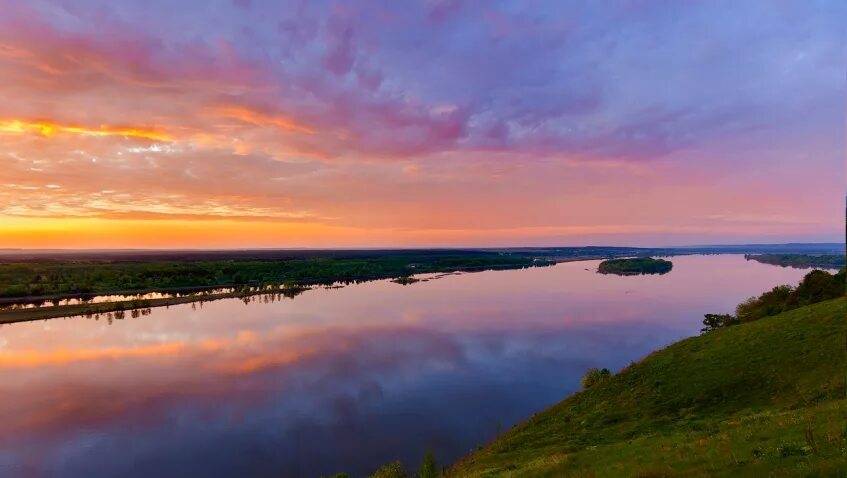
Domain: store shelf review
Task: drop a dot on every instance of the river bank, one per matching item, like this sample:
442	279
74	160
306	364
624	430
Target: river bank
184	295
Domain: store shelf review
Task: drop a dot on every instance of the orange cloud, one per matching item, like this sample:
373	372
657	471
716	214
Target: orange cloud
49	128
96	232
258	118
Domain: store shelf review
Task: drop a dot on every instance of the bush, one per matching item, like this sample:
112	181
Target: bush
391	470
428	468
716	321
817	286
770	303
593	376
785	450
841	278
15	291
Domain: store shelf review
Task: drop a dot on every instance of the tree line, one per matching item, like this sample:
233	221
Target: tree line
76	278
800	261
816	286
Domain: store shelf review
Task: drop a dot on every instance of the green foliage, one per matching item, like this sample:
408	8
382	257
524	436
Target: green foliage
639	265
391	470
69	278
816	286
784	450
800	261
717	321
428	468
769	303
593	376
765	398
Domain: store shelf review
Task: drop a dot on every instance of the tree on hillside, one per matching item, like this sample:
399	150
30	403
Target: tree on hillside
841	278
391	470
716	321
769	303
593	376
428	468
817	286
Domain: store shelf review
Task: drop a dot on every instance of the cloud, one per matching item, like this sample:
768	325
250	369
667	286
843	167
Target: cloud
315	108
47	128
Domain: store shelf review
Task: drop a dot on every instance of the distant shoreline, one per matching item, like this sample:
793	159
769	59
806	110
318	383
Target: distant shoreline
801	261
28	255
10	315
532	257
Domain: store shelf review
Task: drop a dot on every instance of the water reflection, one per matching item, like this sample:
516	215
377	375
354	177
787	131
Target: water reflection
201	295
336	379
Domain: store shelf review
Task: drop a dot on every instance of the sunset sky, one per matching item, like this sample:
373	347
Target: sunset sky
252	123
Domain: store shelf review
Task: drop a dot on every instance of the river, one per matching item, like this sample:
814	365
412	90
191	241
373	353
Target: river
340	379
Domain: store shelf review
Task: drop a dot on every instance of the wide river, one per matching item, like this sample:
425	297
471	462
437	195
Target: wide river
337	379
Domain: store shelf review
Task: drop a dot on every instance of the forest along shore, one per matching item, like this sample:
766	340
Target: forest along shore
42	289
46	284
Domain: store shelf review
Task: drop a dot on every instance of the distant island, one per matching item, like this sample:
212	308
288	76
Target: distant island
800	261
635	266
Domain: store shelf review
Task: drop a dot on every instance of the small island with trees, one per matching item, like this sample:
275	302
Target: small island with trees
635	266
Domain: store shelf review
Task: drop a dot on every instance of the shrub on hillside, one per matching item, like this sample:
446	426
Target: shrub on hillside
391	470
429	467
816	286
717	321
593	376
770	303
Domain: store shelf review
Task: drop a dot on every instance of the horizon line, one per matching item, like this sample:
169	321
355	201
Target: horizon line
403	248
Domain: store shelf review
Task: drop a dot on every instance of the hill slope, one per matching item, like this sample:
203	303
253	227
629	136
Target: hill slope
768	398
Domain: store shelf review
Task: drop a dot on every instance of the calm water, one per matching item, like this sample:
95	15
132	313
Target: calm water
342	379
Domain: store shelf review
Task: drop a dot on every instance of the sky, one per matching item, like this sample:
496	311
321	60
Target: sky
448	123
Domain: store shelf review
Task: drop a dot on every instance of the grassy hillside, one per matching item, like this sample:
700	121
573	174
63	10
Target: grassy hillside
767	398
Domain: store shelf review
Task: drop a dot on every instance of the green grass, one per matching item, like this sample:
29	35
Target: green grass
768	398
